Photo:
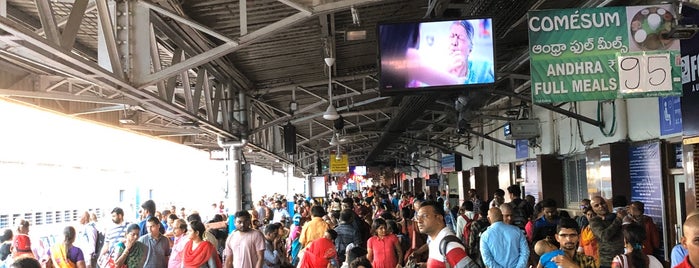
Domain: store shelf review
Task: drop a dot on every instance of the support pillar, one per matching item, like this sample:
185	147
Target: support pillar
309	185
235	174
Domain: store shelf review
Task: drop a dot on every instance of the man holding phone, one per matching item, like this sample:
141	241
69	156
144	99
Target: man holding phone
607	228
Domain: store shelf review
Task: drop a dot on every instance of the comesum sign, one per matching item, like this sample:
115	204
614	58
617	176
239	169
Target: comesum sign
602	53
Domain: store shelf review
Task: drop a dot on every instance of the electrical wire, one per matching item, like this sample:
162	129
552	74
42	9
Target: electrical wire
600	111
580	133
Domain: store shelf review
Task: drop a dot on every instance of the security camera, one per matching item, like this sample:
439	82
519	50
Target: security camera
681	32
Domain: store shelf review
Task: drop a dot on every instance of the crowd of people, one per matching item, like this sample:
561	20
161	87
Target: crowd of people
375	227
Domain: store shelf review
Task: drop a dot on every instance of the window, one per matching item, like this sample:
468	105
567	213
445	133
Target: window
575	179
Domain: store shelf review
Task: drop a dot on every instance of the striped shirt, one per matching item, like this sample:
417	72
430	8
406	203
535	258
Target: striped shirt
116	233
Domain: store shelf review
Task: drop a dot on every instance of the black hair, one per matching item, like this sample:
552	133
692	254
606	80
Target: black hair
317	211
149	206
467	205
172	216
392	227
515	190
437	209
548	203
567	223
355	253
387	215
639	205
378	222
563	214
360	262
272	228
193	217
198	227
243	214
154	220
500	192
26	262
348	200
333	234
6	235
406	212
634	234
132	227
118	211
484	210
346	215
69	233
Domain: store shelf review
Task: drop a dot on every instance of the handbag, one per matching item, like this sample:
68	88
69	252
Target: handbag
106	260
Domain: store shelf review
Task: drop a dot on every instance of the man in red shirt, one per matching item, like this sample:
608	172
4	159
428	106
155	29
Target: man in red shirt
430	221
690	241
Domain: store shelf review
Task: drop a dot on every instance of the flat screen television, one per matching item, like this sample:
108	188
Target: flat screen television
424	56
358	170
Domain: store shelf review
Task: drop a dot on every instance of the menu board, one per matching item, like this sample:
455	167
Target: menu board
603	53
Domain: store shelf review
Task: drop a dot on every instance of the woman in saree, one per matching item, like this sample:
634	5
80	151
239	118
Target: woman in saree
131	253
198	253
65	255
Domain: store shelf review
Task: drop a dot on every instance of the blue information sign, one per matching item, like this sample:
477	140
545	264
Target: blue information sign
521	149
645	171
670	115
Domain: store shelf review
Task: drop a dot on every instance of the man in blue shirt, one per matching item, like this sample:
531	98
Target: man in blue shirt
149	209
546	225
503	245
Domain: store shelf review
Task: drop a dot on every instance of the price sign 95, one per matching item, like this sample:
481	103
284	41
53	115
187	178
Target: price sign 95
642	73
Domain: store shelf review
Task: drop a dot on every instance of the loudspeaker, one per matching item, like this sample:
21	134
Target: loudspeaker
289	139
319	166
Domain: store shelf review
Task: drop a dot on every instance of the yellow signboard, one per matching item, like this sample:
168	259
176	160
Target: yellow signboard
339	166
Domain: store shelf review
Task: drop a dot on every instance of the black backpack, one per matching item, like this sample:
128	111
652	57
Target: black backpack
99	242
520	213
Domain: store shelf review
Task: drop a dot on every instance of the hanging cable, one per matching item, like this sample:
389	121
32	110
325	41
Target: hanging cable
600	111
580	132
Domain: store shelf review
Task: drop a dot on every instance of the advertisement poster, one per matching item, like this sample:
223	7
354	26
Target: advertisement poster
645	172
603	53
690	79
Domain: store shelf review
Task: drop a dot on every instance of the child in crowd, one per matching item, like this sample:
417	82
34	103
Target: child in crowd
544	246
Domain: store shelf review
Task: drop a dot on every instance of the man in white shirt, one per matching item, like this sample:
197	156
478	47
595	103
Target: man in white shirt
280	214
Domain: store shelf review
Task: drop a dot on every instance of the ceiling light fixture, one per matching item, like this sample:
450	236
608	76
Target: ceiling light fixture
331	112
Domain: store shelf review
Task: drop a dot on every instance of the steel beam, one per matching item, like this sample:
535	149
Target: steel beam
107	29
70	32
48	21
186	21
230	47
106	78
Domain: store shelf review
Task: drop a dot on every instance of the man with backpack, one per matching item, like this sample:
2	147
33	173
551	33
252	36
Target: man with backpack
521	210
445	250
89	240
464	221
